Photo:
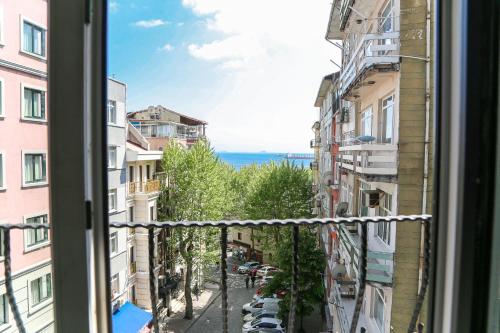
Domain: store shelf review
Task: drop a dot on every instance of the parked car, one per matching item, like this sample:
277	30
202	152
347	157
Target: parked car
267	330
265	280
259	297
265	270
255	269
260	314
246	267
270	304
263	323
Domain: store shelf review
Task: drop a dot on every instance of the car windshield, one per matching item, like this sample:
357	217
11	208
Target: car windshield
255	322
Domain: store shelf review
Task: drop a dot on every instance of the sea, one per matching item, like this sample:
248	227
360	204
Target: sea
238	160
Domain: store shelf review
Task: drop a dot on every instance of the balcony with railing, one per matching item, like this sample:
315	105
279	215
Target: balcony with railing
147	187
369	159
315	143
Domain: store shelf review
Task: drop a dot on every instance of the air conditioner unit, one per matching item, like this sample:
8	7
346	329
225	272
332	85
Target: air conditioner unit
372	197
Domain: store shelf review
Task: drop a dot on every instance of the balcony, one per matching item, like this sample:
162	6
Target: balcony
315	143
147	187
374	56
371	160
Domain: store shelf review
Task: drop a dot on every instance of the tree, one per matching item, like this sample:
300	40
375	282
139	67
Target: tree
310	283
198	189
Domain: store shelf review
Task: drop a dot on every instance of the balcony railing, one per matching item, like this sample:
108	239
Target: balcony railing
151	227
375	49
370	159
315	143
149	186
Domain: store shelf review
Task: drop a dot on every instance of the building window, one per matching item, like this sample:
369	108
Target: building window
41	289
4	310
111	157
2	171
2	97
363	205
113	242
35	168
131	173
131	214
387	17
33	104
366	122
111	112
115	285
152	213
388	120
383	229
36	237
112	200
239	235
33	39
378	307
148	171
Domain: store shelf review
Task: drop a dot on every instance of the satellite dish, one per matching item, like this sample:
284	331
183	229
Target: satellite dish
366	138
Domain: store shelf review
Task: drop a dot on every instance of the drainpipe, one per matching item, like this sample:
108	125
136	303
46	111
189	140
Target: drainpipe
427	137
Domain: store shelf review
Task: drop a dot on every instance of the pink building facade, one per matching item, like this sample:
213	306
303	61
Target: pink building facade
24	193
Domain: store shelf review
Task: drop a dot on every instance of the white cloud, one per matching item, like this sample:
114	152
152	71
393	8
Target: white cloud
180	24
167	48
150	23
272	56
113	6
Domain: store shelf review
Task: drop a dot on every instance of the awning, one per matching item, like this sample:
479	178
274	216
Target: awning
130	319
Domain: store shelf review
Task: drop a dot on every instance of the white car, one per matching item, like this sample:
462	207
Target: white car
260	314
258	298
265	280
263	323
269	304
265	270
246	267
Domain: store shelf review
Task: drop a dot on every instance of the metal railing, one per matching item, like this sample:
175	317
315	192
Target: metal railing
223	225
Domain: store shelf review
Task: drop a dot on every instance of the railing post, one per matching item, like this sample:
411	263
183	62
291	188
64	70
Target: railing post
295	279
8	282
362	276
223	277
152	289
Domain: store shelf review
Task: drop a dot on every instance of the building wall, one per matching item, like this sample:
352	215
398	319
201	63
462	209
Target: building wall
17	201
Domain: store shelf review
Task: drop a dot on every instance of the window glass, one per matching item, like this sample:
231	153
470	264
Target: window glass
4	309
115	284
35	168
111	112
378	307
383	230
34	39
366	122
113	242
34	104
41	289
112	200
112	157
388	119
38	236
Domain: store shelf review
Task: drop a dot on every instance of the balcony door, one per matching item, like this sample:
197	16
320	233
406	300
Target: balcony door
366	121
387	120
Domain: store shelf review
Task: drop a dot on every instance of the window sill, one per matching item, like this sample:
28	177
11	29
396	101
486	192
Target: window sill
36	247
34	120
3	189
4	327
115	125
34	185
33	55
40	306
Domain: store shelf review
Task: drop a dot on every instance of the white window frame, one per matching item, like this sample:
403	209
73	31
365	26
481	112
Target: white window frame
114	278
367	114
38	25
27	247
33	87
2	95
3	173
115	159
376	292
383	123
35	307
113	237
6	323
2	26
111	193
115	122
31	152
383	230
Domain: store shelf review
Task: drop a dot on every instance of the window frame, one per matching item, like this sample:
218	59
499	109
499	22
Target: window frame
44	38
6	324
115	160
115	277
23	161
113	238
113	208
2	95
385	226
3	173
32	307
383	122
115	122
378	293
39	245
23	110
363	118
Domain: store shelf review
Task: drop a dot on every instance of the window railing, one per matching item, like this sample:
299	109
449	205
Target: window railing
151	227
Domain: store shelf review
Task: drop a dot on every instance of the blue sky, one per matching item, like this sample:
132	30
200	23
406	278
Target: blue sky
251	68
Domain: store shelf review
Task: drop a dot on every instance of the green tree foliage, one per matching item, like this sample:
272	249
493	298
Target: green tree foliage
199	188
311	264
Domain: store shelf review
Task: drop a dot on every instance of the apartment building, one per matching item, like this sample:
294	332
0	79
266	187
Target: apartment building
24	176
117	129
143	190
160	125
382	128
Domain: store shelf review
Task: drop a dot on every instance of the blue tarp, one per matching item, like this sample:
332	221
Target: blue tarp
130	319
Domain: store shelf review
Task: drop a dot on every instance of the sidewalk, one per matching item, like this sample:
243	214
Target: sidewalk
176	322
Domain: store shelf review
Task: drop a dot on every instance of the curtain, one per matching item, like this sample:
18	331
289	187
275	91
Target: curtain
28	37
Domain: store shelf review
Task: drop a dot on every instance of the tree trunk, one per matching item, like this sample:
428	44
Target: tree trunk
187	290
